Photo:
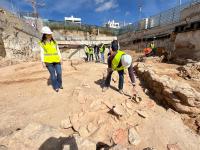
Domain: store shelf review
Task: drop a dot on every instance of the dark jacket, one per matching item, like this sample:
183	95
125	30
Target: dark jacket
96	49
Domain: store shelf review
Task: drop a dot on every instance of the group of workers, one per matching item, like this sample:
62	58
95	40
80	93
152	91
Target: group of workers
90	51
117	61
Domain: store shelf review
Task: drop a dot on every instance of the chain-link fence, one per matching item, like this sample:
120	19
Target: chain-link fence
170	16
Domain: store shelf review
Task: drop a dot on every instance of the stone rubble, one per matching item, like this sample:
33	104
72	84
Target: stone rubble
65	124
120	136
180	96
173	147
190	71
38	136
133	137
142	113
119	110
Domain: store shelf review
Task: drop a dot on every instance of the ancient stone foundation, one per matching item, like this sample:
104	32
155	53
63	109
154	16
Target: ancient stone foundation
180	96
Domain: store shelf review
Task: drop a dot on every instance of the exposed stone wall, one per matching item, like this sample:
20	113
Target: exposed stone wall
180	96
19	40
187	45
2	49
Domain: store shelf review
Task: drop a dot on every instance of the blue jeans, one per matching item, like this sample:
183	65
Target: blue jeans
96	56
55	74
102	57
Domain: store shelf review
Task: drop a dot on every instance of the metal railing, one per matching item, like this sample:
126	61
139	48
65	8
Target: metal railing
164	18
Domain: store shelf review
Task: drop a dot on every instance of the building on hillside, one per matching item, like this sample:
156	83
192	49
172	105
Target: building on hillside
112	24
72	19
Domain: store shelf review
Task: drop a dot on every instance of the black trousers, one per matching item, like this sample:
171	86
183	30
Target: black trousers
121	79
91	57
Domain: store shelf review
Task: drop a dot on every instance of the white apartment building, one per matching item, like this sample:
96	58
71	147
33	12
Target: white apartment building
112	24
72	19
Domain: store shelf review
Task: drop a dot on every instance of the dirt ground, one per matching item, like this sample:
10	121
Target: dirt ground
26	97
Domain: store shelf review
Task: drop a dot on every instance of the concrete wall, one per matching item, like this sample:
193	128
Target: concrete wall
126	40
65	37
70	35
164	43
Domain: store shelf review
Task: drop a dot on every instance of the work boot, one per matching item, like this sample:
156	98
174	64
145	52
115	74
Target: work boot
121	92
57	90
104	89
61	87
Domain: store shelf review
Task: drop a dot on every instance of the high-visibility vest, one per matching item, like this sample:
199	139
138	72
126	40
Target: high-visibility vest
90	50
102	48
87	50
152	45
50	52
116	60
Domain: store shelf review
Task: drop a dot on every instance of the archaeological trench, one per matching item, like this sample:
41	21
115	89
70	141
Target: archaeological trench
172	78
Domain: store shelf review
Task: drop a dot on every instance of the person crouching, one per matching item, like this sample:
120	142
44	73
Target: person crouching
119	61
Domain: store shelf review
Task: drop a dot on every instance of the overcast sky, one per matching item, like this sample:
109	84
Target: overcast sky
95	11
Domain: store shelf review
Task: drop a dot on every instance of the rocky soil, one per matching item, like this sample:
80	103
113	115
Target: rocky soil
80	116
175	87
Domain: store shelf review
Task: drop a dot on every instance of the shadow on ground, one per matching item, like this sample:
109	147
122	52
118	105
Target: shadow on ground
101	83
59	143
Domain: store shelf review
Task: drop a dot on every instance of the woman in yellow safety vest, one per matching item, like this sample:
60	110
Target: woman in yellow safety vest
51	58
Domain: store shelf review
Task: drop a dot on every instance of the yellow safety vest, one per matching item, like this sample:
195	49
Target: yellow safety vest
87	50
102	48
50	52
116	60
90	50
152	45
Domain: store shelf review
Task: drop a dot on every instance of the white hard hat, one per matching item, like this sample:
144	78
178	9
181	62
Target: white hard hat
46	30
126	60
